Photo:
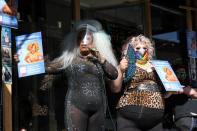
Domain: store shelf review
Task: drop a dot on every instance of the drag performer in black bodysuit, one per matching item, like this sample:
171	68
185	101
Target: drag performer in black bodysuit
86	61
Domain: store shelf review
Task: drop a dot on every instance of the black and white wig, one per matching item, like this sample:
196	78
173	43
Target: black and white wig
101	41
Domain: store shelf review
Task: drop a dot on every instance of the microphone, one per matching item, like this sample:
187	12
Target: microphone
93	49
95	55
93	58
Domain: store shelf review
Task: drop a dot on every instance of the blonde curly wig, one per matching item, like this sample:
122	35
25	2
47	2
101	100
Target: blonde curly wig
141	39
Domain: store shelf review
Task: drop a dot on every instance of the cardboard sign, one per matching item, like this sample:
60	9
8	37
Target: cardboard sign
30	52
167	75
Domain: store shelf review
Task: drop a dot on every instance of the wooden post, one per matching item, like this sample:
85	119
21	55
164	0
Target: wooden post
7	107
148	24
195	26
189	28
192	70
76	9
6	82
189	16
195	15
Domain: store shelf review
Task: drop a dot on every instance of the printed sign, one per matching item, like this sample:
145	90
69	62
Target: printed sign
192	44
30	52
6	55
167	75
7	19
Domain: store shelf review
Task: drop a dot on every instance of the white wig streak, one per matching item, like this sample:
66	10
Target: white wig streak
103	45
71	50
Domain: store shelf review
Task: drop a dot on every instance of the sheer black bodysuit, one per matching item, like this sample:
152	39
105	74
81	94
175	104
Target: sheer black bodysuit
85	102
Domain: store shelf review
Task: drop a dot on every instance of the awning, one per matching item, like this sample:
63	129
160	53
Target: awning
170	36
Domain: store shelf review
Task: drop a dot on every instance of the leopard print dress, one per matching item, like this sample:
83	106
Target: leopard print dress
142	90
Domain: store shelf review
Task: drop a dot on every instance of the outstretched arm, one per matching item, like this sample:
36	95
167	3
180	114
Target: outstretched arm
116	84
110	71
52	68
192	92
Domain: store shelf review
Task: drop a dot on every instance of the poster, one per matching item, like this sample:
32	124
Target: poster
6	55
30	52
192	69
167	75
192	44
8	11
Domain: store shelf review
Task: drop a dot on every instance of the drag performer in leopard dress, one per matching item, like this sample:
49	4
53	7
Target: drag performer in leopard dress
141	106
